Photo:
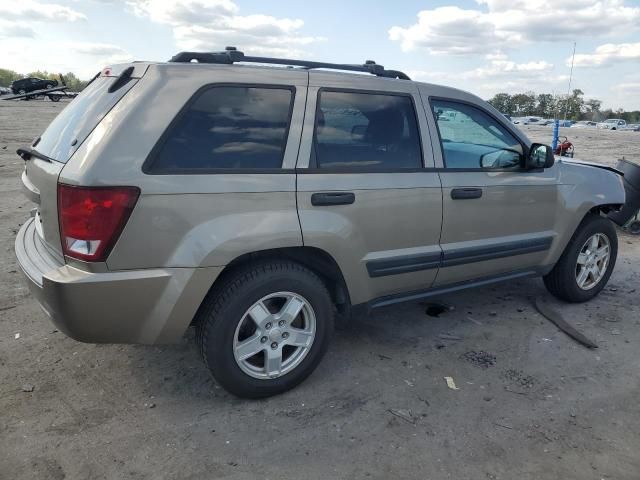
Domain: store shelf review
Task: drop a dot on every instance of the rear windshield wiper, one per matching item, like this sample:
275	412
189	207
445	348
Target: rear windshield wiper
27	153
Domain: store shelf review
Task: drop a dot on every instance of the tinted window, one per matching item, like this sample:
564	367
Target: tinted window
228	127
366	130
72	126
472	138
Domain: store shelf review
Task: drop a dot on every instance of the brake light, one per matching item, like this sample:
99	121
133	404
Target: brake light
92	218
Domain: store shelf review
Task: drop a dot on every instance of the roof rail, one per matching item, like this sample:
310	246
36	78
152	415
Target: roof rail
232	55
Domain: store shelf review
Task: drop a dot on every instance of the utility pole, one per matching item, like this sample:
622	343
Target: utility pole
573	57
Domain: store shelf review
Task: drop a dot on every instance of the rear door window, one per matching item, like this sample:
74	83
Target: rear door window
366	130
228	128
74	124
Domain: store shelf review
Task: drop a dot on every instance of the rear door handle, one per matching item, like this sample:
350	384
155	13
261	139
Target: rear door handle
466	193
332	198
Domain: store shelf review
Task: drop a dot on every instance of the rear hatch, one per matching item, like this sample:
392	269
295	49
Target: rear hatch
48	154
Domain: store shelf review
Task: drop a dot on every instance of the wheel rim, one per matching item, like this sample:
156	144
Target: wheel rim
274	335
593	261
21	92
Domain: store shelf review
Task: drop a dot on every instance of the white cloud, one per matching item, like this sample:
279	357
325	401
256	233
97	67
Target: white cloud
100	49
450	30
101	54
213	24
608	54
499	75
31	10
15	30
507	23
495	69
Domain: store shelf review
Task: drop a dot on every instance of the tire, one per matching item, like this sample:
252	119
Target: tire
562	281
224	315
22	91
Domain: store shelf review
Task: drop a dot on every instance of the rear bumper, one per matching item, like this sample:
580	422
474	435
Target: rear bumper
135	306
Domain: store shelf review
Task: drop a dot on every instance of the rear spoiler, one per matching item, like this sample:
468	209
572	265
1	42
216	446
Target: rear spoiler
138	70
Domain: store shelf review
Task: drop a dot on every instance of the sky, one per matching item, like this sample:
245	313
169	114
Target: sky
482	46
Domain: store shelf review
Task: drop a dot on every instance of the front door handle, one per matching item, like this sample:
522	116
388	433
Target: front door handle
466	193
332	198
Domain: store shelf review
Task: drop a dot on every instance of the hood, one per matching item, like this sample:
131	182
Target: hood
572	161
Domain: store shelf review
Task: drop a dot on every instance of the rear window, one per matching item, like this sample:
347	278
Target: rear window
227	127
366	130
74	124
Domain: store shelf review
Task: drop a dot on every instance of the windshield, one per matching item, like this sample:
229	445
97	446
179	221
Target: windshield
74	124
611	121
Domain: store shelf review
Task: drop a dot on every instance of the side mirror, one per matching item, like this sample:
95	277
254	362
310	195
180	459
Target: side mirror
540	156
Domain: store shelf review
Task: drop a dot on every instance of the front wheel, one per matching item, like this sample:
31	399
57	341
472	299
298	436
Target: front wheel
265	328
586	263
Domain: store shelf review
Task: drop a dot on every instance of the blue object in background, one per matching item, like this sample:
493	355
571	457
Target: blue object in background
556	132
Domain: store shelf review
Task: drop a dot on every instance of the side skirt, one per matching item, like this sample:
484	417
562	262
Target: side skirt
432	292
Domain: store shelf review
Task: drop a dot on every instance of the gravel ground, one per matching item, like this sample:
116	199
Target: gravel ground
530	403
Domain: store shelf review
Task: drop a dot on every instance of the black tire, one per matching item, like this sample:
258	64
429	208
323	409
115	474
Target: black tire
226	304
561	281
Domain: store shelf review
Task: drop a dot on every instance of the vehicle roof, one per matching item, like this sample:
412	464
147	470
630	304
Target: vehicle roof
360	79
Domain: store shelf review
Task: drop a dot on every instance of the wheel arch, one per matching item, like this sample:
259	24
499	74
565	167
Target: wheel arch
315	259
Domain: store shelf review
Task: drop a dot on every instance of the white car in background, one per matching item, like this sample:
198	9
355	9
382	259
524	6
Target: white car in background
612	124
584	124
528	121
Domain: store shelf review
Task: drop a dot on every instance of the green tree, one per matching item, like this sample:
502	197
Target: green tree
8	76
546	105
502	102
524	103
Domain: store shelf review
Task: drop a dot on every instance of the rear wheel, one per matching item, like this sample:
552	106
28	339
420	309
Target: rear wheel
265	328
587	262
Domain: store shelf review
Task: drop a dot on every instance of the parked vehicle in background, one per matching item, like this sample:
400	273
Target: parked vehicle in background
508	117
31	84
584	124
612	124
631	127
5	91
257	202
527	120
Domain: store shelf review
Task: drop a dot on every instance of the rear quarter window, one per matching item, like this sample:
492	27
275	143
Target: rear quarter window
226	128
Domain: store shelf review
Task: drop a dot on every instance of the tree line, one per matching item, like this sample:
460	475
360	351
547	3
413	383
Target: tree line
546	105
73	82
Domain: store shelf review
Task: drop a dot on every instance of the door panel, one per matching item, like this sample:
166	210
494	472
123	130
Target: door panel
497	218
384	231
510	227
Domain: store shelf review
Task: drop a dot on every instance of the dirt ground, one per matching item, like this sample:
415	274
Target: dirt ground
530	404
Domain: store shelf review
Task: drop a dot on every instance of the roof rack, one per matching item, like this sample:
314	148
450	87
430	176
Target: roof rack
232	55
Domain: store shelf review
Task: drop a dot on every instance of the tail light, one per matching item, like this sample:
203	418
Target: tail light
92	218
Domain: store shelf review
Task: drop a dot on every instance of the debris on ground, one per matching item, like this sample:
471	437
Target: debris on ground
17	336
447	336
28	388
473	320
480	358
405	415
557	319
519	378
150	405
450	383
